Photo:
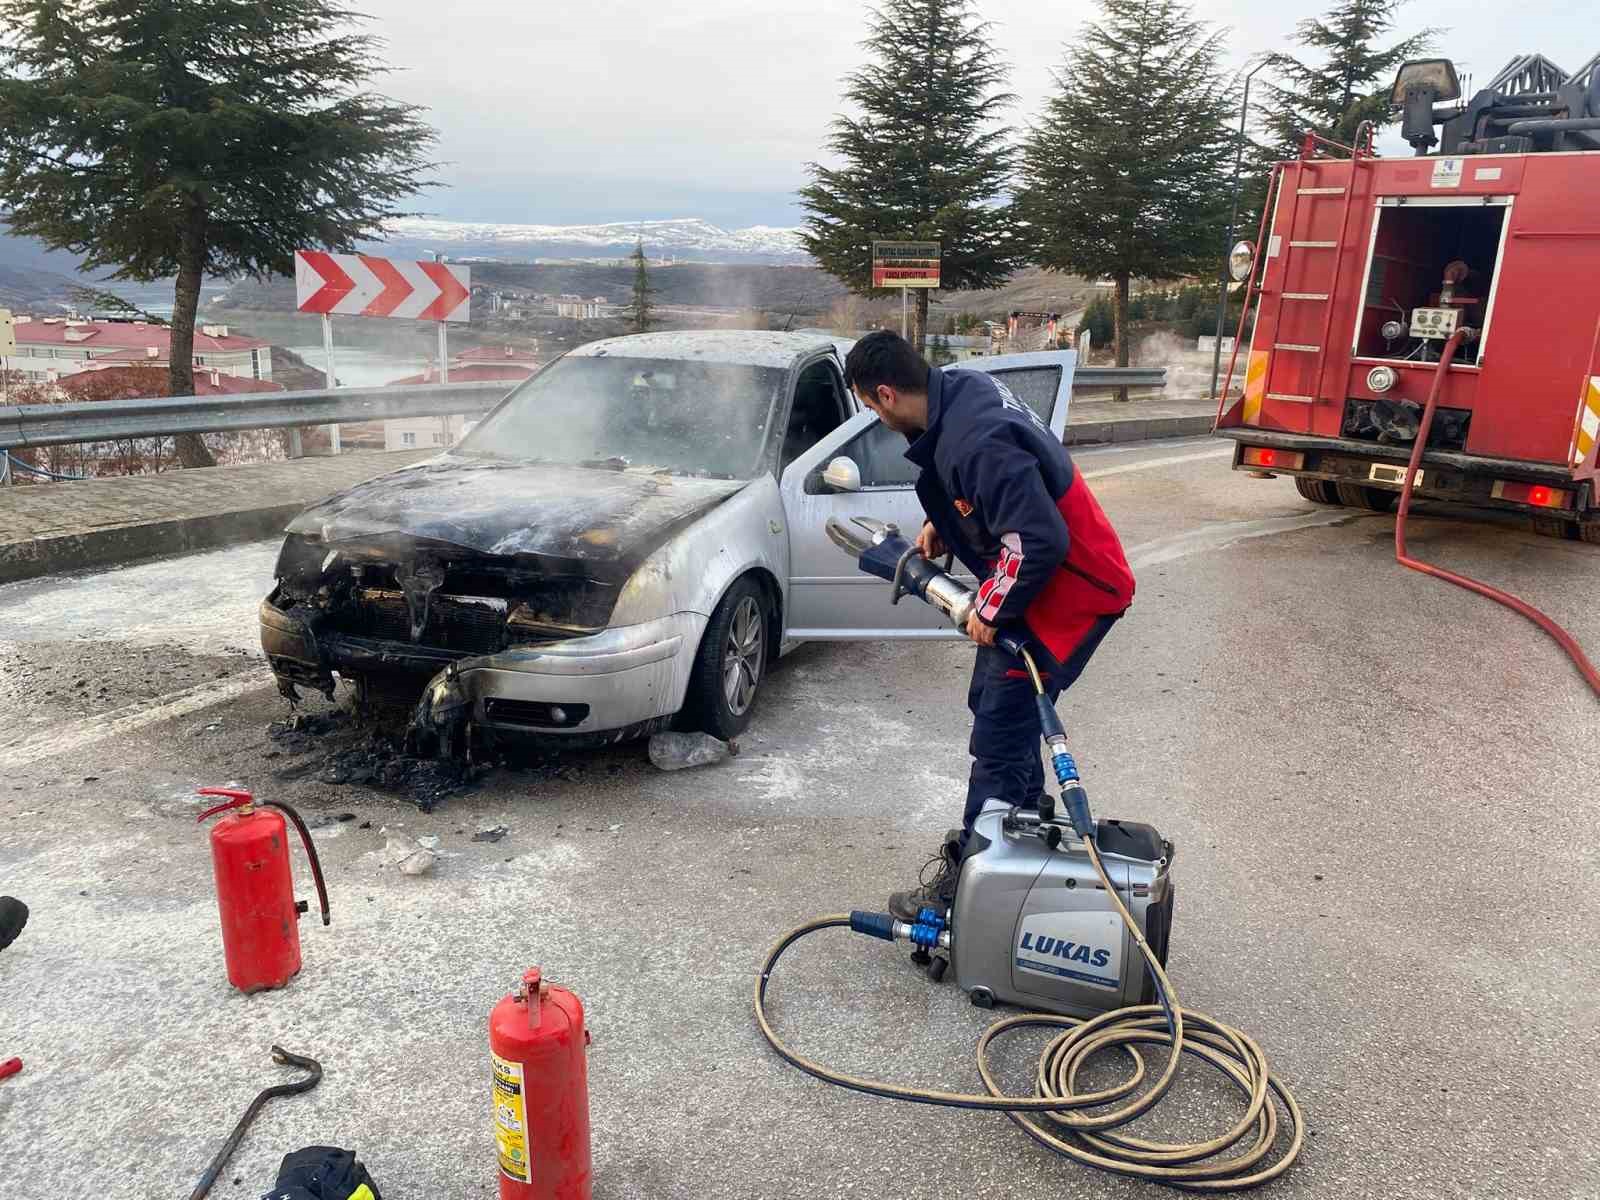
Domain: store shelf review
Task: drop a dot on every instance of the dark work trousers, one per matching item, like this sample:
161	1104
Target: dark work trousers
1005	723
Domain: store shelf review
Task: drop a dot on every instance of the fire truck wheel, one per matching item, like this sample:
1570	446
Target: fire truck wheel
1554	527
1354	495
1318	491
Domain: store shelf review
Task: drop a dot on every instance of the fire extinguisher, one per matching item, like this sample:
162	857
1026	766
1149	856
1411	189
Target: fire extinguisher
538	1047
255	891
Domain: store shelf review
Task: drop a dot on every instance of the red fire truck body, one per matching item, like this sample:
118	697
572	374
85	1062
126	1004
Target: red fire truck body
1369	263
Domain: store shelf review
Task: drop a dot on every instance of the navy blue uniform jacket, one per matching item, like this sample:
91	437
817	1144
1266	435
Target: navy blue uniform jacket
1005	496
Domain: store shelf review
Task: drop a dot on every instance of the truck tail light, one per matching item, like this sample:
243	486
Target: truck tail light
1267	457
1539	495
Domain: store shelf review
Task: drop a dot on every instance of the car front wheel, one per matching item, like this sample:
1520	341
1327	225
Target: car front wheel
730	663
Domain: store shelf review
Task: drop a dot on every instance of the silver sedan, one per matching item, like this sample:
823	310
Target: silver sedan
625	541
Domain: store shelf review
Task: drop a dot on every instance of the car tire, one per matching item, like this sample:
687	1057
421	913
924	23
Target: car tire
1318	491
1589	531
731	662
1354	495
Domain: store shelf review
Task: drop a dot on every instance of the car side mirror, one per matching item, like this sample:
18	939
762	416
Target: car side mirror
842	474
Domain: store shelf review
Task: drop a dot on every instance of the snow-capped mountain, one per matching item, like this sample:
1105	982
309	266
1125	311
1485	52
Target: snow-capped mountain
686	237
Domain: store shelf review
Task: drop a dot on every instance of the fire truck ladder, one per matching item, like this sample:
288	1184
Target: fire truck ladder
1306	183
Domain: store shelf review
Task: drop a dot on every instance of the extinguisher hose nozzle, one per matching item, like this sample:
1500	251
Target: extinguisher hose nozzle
311	852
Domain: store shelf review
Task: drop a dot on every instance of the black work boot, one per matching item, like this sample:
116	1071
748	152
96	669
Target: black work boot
13	916
937	888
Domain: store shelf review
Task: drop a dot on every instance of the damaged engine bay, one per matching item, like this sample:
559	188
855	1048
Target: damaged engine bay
409	583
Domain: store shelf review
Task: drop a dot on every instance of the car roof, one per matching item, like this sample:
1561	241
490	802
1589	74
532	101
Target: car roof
746	347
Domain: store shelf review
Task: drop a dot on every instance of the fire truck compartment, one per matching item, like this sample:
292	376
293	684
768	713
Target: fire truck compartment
1414	241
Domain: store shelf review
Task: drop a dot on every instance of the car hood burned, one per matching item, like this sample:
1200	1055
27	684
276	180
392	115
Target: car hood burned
606	519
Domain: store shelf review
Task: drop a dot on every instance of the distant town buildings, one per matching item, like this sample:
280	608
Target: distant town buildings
483	364
577	308
52	348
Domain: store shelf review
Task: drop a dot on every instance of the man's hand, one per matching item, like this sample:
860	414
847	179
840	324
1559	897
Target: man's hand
930	543
979	632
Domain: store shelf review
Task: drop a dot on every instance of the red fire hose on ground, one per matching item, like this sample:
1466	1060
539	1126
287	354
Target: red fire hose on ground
1563	639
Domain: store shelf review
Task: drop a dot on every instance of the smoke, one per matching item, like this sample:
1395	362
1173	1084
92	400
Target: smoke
1188	369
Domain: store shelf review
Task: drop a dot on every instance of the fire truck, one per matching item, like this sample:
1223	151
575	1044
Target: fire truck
1366	266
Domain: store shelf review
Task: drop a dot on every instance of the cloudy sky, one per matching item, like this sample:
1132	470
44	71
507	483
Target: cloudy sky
553	111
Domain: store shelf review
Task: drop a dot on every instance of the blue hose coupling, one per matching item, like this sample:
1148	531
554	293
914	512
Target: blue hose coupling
873	924
927	928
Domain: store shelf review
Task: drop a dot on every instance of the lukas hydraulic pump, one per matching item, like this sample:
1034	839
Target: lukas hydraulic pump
1056	910
1030	924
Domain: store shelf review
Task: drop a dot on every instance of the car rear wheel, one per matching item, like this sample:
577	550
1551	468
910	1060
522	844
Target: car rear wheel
731	663
1354	495
1589	531
1318	491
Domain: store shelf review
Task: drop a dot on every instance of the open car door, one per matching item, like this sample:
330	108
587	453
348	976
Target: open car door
1041	379
860	469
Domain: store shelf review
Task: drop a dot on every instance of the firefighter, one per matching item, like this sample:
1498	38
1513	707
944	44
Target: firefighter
1001	493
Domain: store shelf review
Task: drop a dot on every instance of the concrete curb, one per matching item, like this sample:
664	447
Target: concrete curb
1136	429
116	544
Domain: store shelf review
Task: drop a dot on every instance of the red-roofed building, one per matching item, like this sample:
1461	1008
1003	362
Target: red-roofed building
487	364
142	382
497	354
64	346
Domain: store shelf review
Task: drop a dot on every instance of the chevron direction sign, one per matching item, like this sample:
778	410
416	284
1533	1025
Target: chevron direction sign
359	285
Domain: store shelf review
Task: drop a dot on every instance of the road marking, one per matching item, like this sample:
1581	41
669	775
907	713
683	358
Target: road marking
67	739
1152	463
1224	535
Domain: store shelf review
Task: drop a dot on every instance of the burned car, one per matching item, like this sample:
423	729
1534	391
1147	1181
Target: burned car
625	541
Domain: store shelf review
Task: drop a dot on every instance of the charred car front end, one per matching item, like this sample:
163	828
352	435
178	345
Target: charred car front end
526	596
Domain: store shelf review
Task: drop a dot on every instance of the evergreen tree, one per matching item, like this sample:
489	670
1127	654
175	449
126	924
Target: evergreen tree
640	307
1099	320
922	159
191	138
1127	175
1351	81
939	351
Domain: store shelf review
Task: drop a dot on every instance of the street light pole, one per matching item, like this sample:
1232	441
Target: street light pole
1233	219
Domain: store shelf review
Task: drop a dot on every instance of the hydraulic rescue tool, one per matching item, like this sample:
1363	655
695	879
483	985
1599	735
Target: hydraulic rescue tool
1057	910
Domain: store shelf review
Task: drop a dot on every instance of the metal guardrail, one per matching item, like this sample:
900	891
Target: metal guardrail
1107	377
22	426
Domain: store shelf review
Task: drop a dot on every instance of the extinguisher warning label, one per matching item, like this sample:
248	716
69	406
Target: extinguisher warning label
511	1120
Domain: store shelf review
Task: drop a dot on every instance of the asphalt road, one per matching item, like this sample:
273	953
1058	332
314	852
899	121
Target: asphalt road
1382	791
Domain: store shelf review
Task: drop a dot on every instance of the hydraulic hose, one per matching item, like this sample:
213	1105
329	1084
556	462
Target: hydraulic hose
1562	638
1056	1115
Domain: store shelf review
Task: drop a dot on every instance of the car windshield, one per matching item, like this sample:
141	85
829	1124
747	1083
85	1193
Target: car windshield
693	418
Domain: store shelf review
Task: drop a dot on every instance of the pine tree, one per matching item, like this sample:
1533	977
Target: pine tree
191	138
922	160
640	308
1350	84
1127	175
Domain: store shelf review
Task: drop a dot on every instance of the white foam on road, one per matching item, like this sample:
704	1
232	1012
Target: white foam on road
67	739
205	602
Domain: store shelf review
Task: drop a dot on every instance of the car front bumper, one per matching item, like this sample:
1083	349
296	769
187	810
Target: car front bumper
618	683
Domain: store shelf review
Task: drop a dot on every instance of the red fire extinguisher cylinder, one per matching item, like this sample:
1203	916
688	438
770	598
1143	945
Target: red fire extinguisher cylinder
539	1053
255	888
